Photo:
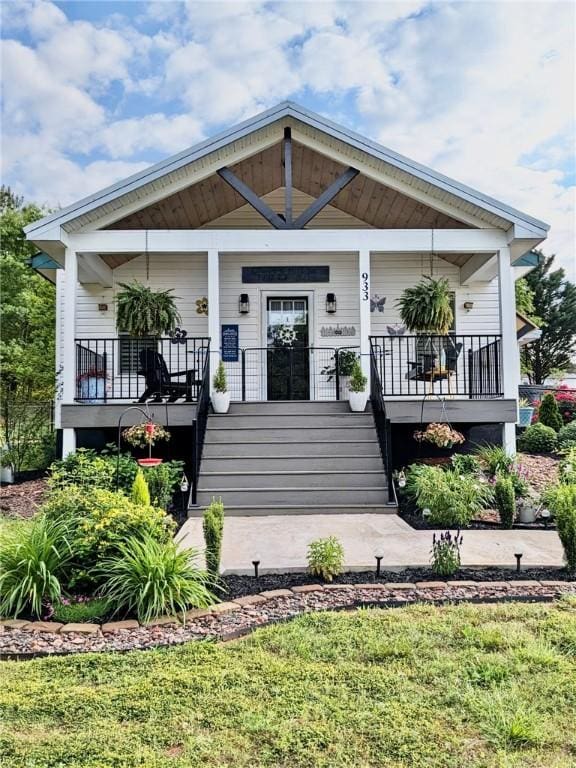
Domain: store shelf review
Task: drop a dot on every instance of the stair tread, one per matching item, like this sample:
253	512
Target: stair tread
242	472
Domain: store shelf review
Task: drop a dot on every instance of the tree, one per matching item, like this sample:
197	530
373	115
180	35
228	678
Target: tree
27	338
554	300
525	301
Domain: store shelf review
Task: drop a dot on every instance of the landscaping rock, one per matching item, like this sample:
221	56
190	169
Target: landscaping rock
44	626
303	588
225	607
162	621
14	623
272	593
120	626
83	629
250	600
432	584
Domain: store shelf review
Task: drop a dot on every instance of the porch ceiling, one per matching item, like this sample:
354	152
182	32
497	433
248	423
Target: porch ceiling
374	203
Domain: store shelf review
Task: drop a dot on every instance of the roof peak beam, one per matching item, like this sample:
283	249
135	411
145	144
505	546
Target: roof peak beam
326	197
287	160
252	198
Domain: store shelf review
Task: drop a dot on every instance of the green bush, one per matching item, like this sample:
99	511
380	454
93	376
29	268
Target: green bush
567	469
358	381
465	464
148	578
567	436
81	610
495	459
505	498
325	558
33	555
538	438
446	553
163	480
213	527
102	520
561	500
453	499
219	379
140	493
549	413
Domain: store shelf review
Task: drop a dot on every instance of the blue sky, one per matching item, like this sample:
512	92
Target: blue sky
481	91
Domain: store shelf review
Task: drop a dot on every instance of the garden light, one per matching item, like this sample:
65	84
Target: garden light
255	563
518	556
378	559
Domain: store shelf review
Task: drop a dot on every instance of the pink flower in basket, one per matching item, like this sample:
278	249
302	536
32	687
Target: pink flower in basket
441	435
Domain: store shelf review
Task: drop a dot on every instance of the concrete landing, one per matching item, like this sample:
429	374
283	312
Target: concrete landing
280	543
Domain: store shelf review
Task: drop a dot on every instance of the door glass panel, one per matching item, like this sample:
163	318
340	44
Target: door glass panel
288	364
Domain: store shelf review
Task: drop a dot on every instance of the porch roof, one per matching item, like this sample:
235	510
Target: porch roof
421	177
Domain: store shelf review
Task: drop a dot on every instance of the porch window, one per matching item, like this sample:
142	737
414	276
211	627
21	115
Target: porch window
130	348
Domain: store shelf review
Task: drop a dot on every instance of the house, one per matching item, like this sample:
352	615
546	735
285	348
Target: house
287	240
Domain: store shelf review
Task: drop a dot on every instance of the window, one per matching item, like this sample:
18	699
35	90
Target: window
129	353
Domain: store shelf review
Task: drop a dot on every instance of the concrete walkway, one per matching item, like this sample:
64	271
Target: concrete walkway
280	543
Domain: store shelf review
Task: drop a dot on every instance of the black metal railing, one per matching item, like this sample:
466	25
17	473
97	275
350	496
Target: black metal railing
453	365
381	422
127	368
290	373
199	423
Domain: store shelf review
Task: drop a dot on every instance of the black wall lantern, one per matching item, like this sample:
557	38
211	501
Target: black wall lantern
244	304
331	303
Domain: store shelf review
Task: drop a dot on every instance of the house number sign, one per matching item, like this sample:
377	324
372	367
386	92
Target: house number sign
365	286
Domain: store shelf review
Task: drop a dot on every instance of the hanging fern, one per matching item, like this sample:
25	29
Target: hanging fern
144	312
426	307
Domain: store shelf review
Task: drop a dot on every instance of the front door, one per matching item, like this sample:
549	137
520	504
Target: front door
287	354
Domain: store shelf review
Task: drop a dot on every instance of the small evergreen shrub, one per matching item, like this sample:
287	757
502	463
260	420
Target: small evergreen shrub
148	578
33	557
505	498
140	493
567	469
163	480
561	500
219	380
81	610
567	436
213	528
465	464
549	413
446	553
357	381
538	438
325	558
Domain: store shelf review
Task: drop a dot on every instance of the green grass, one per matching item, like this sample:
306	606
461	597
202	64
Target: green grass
417	687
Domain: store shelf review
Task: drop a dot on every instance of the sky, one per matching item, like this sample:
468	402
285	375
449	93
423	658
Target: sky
483	92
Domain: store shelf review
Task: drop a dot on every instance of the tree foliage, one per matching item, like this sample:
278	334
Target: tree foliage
554	301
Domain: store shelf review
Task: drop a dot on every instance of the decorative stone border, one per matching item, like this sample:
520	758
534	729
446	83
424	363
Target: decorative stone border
21	639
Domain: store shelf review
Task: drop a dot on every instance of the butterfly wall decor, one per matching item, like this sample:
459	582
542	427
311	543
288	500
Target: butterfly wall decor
377	303
396	330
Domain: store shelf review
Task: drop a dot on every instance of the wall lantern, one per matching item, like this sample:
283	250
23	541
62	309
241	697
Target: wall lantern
103	307
244	304
331	303
468	305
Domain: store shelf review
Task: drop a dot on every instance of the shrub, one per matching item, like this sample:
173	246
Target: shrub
213	527
446	553
33	554
140	493
325	558
567	436
465	464
358	381
505	498
80	610
84	468
566	399
538	438
149	578
549	413
495	459
567	469
102	521
453	499
163	480
561	500
219	378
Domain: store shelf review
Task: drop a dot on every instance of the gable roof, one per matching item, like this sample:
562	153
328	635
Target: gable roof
285	110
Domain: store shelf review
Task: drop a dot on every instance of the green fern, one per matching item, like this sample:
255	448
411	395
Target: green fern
426	307
144	312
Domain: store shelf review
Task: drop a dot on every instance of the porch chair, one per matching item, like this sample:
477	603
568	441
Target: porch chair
428	368
159	382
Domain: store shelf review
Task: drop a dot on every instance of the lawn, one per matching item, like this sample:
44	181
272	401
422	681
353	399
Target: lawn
461	686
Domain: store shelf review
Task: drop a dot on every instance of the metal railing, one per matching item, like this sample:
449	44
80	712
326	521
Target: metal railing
199	424
117	368
381	421
453	365
290	373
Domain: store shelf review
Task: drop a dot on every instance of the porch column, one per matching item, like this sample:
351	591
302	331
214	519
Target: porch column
510	354
214	309
68	356
364	289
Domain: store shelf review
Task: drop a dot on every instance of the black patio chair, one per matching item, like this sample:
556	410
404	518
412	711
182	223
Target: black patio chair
427	366
159	384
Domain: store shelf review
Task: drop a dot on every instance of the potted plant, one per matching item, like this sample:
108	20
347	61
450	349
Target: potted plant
525	412
528	508
220	396
142	311
92	385
440	435
426	310
346	359
357	388
145	436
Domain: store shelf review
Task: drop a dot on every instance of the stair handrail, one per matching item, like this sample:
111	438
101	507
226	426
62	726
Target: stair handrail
199	422
381	421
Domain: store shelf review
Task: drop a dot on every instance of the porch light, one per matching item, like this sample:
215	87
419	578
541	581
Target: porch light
244	304
184	484
331	303
468	305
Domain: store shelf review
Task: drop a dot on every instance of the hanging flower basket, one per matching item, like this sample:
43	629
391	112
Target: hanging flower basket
145	435
440	435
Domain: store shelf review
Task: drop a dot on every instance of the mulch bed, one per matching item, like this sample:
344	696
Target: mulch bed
230	620
23	499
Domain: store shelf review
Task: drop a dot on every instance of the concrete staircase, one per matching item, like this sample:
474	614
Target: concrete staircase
297	457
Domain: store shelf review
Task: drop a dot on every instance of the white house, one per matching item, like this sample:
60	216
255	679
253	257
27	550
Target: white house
289	224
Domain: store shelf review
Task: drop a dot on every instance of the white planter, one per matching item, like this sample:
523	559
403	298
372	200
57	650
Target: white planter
221	402
527	513
357	401
6	475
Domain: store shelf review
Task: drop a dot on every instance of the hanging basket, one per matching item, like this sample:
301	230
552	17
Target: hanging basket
440	435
